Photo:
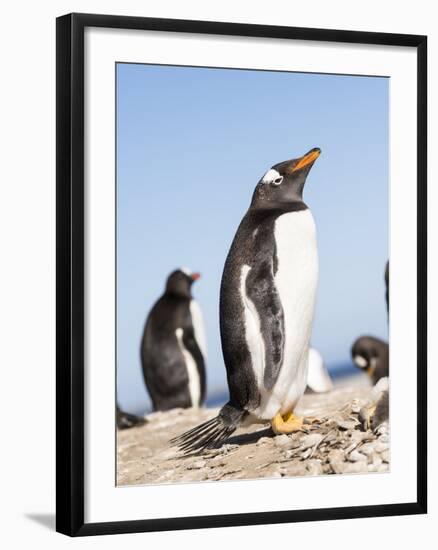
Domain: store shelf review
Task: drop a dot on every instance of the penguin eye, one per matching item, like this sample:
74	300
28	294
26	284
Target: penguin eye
272	176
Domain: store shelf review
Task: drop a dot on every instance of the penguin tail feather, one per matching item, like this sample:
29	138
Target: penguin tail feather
212	433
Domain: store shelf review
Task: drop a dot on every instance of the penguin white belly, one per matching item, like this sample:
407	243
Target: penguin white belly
192	370
296	281
198	326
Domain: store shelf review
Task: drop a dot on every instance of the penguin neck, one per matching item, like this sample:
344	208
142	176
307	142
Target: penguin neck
178	294
276	208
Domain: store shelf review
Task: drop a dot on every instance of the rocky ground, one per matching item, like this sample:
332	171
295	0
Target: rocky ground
333	441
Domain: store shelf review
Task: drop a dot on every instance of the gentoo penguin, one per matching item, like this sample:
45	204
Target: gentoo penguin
372	355
318	378
173	350
267	302
127	420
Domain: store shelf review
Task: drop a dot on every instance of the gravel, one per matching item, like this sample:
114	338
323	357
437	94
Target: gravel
332	441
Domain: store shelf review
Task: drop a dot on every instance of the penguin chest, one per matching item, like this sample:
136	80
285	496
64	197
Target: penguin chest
295	280
194	384
193	374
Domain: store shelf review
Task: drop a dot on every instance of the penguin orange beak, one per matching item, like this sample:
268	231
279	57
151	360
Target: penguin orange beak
195	276
307	159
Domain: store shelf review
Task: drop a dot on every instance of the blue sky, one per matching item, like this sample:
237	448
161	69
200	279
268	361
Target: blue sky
192	144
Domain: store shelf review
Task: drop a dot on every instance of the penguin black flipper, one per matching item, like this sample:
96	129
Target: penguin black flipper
191	345
167	382
262	292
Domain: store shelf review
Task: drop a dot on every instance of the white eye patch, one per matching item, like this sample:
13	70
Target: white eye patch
360	361
272	176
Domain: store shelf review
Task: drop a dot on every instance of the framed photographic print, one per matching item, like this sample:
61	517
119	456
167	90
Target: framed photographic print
241	274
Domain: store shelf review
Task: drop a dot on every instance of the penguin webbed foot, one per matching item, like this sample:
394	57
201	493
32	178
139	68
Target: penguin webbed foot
286	424
211	434
127	420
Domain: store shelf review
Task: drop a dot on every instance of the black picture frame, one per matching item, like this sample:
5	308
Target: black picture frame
70	272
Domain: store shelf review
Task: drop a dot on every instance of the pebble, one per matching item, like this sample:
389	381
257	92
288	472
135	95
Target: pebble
217	461
345	424
383	431
381	446
356	456
368	449
272	470
314	467
283	442
310	440
355	406
377	461
311	420
296	468
232	471
306	454
358	436
228	447
265	441
332	443
149	470
197	465
385	456
291	454
336	460
330	438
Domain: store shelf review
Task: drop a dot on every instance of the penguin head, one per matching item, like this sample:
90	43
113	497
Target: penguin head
371	355
179	282
283	184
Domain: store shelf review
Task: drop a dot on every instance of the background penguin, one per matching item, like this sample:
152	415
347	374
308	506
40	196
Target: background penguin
127	420
371	355
173	350
266	308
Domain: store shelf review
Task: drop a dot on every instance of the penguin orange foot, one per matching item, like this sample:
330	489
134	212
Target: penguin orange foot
286	423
